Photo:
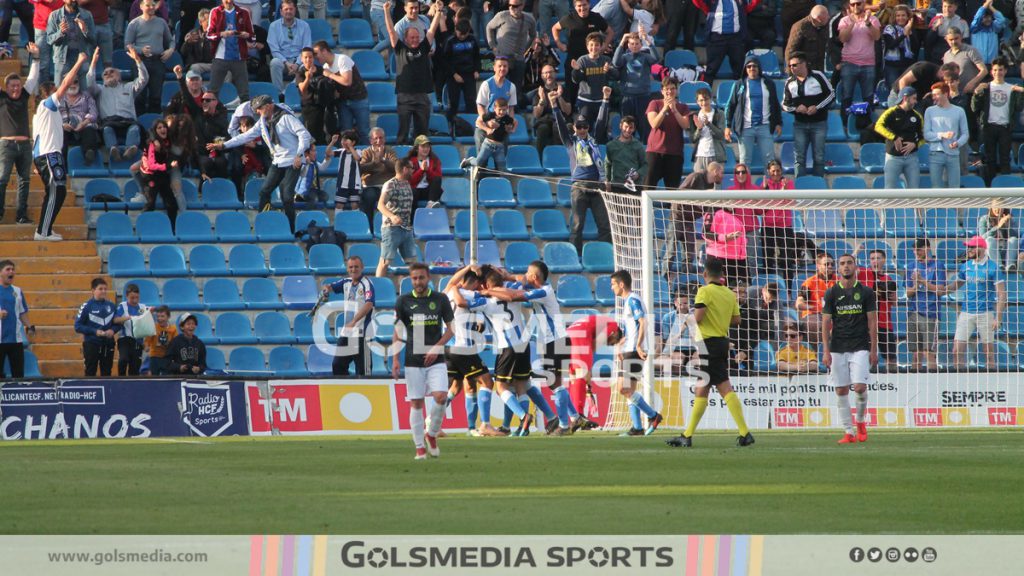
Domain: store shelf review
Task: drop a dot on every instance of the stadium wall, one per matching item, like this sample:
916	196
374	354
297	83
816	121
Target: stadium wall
115	408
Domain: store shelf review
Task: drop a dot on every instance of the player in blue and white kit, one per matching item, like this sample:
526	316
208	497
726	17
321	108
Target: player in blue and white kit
357	294
631	353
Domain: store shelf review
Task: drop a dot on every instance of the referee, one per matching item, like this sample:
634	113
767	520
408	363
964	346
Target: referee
849	329
715	310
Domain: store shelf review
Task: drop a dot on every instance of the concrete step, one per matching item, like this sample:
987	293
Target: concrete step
51	316
62	368
43	300
58	265
56	282
65	351
36	194
10	232
31	248
54	334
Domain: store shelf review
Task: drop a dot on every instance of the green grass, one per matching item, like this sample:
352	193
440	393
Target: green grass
900	482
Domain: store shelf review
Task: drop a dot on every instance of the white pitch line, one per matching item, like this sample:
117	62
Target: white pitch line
179	441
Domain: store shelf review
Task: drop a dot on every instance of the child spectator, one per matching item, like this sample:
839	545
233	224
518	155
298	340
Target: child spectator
156	345
186	353
497	126
129	350
349	183
634	65
252	163
707	130
592	72
794	356
95	322
155	171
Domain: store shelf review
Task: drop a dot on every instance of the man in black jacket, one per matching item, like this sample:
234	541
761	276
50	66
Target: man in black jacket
210	119
808	95
753	114
903	130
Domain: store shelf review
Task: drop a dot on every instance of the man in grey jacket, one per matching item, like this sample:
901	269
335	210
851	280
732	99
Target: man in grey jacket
70	31
511	33
116	102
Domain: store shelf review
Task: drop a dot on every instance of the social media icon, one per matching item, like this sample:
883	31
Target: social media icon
910	555
929	554
892	554
875	554
857	554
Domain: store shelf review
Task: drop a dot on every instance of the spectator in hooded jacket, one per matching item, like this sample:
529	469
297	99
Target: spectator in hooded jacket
754	115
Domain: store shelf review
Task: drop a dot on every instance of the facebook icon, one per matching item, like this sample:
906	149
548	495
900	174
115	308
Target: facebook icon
856	554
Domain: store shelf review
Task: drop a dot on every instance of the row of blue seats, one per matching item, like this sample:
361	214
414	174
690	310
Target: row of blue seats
763	358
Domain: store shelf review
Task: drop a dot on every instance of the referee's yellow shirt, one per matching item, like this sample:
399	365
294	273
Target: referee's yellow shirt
720	306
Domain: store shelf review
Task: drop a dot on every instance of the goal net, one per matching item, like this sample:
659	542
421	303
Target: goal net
943	266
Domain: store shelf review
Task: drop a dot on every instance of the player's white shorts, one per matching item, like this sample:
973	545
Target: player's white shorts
967	323
420	381
850	368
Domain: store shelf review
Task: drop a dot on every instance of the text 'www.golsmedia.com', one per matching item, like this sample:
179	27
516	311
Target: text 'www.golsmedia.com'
120	557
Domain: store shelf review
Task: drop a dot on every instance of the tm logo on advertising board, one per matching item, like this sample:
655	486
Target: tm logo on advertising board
206	409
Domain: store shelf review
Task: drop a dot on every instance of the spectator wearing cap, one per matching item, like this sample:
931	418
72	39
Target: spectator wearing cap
286	38
753	114
808	94
727	32
997	106
986	28
946	131
586	164
186	354
415	77
926	279
511	33
192	88
426	174
903	129
981	309
287	139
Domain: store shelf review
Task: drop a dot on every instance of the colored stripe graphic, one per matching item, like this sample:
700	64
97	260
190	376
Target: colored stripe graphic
273	554
692	555
320	556
305	556
707	556
288	557
255	555
756	555
724	544
741	550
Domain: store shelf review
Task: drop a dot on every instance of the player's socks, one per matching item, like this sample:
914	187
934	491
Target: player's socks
483	399
732	402
699	406
573	412
845	417
471	410
436	419
512	406
634	416
416	424
451	396
862	405
506	419
524	401
541	402
562	405
637	399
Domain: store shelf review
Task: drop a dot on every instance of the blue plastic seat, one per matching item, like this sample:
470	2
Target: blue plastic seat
115	228
234	328
299	292
864	223
810	183
261	294
486	253
194	227
442	256
849	183
370	64
449	156
317	217
431	224
78	168
320	29
167	260
872	157
510	225
326	259
273	328
149	294
574	290
523	160
220	194
836	129
839	159
153	227
389	124
1008	181
285	360
190	192
556	160
292	97
354	224
971	181
318	362
902	223
679	58
533	193
518	256
287	259
835	248
247	260
102	186
251	194
948	253
463	227
688	92
273	227
207	260
495	192
182	294
368	253
456	193
942	223
723	92
355	33
247	360
549	224
221	294
383	292
233	227
598	257
228	93
824	223
603	294
215	362
561	257
382	96
304	328
563	193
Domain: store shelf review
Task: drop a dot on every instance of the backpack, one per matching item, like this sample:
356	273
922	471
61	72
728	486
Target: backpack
324	91
462	127
314	235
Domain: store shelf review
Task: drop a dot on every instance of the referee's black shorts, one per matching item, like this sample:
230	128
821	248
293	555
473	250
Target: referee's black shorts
715	361
513	365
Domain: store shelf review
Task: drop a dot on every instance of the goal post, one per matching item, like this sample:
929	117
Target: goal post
945	359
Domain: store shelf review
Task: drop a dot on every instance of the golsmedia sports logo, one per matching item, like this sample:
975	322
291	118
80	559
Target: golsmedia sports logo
358	554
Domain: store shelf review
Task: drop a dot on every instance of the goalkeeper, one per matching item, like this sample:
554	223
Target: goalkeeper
586	335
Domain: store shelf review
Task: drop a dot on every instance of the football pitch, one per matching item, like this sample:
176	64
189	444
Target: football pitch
937	482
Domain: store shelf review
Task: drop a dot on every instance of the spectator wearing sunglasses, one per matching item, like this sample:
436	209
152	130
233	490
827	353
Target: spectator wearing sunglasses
754	115
793	356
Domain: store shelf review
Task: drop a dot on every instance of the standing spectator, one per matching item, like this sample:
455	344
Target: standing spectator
668	118
808	95
614	14
809	37
925	283
761	24
634	60
685	216
859	32
104	38
461	59
626	164
357	294
497	126
549	12
986	28
286	38
156	171
314	111
874	277
495	87
287	139
348	183
940	25
426	174
812	293
579	24
209	120
781	242
725	239
43	9
997	106
903	129
753	115
587	168
116	102
24	9
95	322
647	17
945	129
13	318
727	32
255	11
793	12
543	120
378	25
395	205
996	226
129	350
972	67
415	80
156	345
196	49
319	9
920	76
79	115
681	15
15	141
707	132
511	33
353	105
70	32
151	37
413	19
591	73
981	309
186	354
229	32
898	53
376	166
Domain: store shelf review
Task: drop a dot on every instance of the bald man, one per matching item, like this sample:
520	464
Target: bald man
809	35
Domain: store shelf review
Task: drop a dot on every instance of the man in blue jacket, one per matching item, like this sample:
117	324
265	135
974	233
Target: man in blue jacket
727	32
95	321
753	115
